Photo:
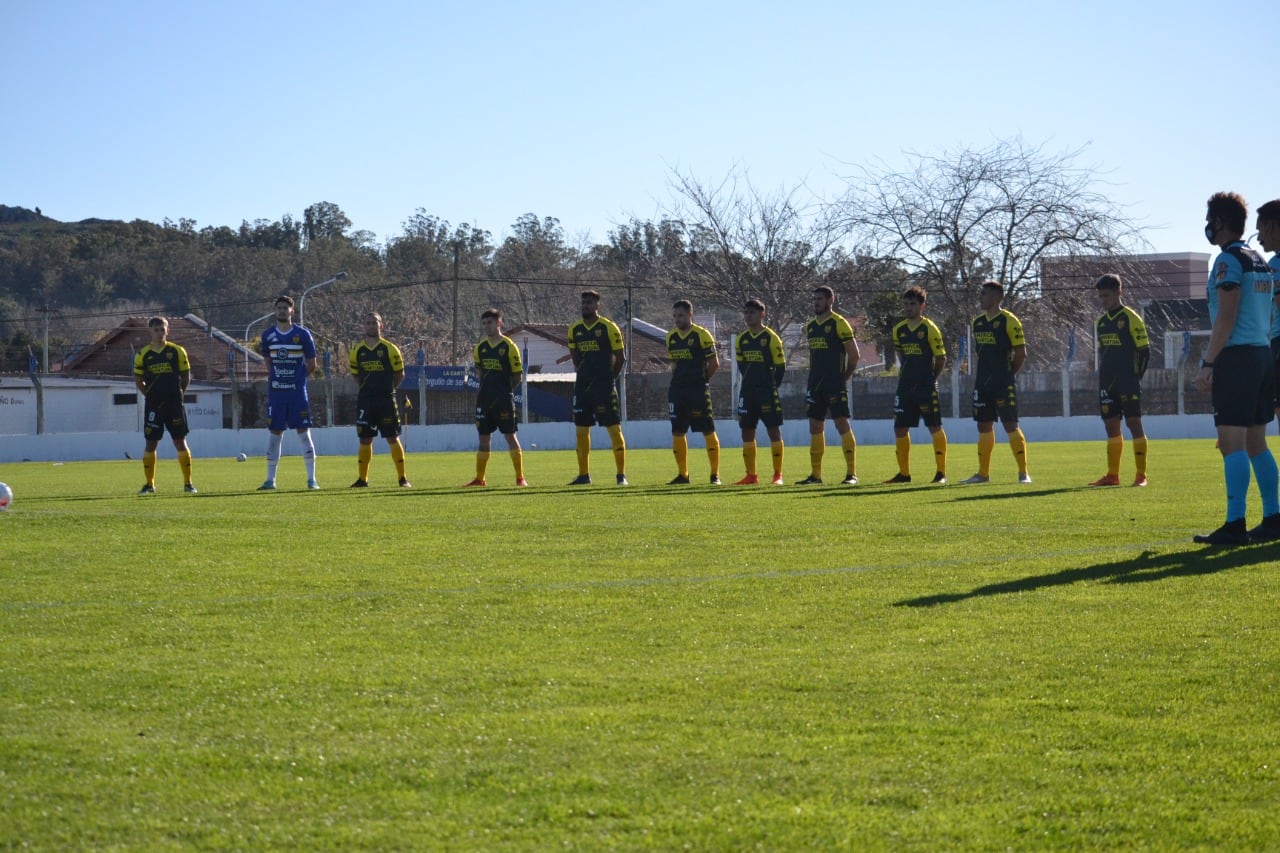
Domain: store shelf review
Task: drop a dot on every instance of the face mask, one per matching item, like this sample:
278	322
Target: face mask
1209	232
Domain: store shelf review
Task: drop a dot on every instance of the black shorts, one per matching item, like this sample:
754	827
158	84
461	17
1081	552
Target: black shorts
1120	399
496	412
828	399
1243	387
377	416
170	415
915	402
690	408
756	405
1275	366
596	402
995	400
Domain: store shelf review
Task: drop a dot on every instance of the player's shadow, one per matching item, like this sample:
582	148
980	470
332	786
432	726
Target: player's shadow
1143	568
1003	494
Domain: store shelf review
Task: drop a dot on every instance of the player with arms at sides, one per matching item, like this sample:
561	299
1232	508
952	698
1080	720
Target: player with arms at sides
498	365
1000	348
833	357
595	344
378	368
161	373
761	366
290	354
1269	237
922	356
693	354
1123	353
1238	371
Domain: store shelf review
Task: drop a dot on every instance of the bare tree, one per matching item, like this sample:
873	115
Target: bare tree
956	218
741	243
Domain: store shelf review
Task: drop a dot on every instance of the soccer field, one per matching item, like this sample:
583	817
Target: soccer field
995	666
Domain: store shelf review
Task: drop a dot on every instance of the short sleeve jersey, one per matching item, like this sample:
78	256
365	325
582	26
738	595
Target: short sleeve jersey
288	351
595	343
827	338
1238	266
758	355
375	368
689	352
1121	336
917	346
161	370
1274	263
497	363
994	341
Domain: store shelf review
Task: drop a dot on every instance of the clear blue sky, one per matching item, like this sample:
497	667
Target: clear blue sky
482	111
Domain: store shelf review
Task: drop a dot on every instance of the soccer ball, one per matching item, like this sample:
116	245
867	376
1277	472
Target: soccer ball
242	458
6	496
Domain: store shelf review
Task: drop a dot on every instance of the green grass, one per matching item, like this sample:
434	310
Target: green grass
655	667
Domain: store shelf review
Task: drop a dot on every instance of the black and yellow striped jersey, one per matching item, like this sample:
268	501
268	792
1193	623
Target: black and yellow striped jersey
760	358
498	364
917	348
375	367
161	370
994	340
595	343
1123	347
690	351
827	339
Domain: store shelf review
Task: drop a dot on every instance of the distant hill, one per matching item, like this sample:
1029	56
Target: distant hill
17	222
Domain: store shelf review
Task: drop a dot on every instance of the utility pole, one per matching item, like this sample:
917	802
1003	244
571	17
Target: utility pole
456	251
44	356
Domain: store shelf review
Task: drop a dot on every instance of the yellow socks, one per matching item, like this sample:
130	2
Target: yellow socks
397	456
184	462
517	462
584	450
749	457
986	444
817	446
940	450
902	449
149	467
1140	454
1115	451
482	463
713	453
619	448
775	450
1018	442
847	447
363	457
680	447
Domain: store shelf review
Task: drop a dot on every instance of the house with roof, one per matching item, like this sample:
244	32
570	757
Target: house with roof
93	389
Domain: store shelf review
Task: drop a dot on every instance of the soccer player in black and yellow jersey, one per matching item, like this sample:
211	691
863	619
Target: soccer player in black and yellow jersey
378	368
498	364
595	344
922	356
1123	353
761	366
161	373
833	357
695	361
1000	347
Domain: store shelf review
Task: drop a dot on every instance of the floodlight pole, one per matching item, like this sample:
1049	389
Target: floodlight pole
246	341
302	300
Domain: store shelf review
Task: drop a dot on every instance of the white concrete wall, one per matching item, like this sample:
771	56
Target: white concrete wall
341	441
81	409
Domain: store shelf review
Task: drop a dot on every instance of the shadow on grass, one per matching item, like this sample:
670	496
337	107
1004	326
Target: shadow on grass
1147	566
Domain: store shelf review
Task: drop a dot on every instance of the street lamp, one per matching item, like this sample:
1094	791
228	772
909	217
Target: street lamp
302	300
246	340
